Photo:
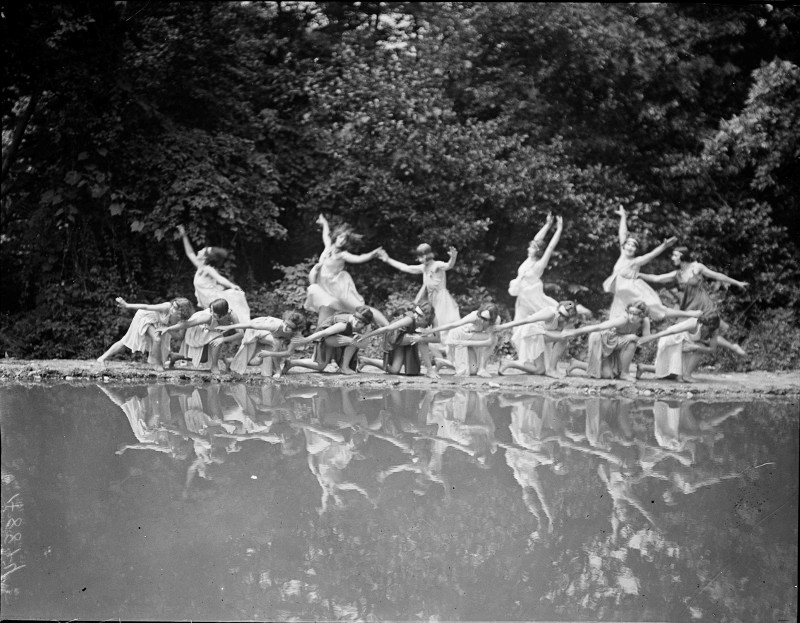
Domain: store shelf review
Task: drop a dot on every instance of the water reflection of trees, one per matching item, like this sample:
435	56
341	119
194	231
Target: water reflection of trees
598	507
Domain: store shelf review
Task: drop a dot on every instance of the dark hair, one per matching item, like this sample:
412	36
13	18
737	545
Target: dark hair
185	307
686	254
219	307
641	306
363	313
710	320
215	256
296	318
427	313
634	240
491	308
424	249
569	305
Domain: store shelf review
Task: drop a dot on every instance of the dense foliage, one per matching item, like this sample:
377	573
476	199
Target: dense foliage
453	123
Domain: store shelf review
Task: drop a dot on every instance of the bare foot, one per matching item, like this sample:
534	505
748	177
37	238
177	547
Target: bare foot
101	361
627	377
554	374
502	366
432	374
573	365
484	374
688	379
348	370
639	372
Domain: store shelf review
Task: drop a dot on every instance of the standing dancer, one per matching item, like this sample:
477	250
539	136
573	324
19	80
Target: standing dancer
330	285
434	282
625	282
209	285
690	277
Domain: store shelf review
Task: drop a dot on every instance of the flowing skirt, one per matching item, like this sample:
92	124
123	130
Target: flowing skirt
337	291
138	340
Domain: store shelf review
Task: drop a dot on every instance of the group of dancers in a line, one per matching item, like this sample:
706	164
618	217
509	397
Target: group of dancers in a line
432	332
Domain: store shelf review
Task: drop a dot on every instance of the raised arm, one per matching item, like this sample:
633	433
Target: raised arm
678	327
453	253
187	247
712	274
542	233
666	244
160	307
326	230
406	268
553	242
623	225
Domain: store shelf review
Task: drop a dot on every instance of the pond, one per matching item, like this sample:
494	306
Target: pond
278	502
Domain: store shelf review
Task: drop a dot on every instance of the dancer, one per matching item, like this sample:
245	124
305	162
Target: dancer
206	333
690	277
681	347
612	343
209	285
434	282
330	285
543	345
469	341
142	335
403	348
274	334
625	282
336	340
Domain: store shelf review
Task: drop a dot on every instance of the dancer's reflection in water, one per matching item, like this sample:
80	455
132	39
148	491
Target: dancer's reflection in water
535	428
147	416
464	423
678	429
333	440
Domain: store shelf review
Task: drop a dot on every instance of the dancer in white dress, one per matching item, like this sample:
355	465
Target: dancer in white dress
330	285
272	334
142	335
625	283
209	284
434	283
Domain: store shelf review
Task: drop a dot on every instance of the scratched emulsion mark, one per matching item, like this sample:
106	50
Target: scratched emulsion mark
11	553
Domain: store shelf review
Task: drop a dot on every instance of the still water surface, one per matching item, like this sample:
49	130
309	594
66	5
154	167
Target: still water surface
284	503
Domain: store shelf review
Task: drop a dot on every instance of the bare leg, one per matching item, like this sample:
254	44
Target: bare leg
425	355
347	357
481	360
535	367
304	363
116	347
154	356
576	364
369	361
556	352
641	368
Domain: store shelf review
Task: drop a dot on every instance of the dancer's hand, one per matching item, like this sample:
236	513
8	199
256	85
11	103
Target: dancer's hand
121	302
621	211
559	222
549	220
669	242
452	252
321	220
182	231
382	255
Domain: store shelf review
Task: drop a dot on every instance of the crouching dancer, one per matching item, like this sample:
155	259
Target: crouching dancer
403	348
337	339
544	342
682	346
272	334
206	334
142	335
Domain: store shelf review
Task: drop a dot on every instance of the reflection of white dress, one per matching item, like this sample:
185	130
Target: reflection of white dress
207	290
137	339
529	290
334	287
628	287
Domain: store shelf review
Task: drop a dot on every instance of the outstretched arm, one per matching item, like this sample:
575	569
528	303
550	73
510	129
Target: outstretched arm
397	324
712	274
591	328
663	278
216	276
160	307
359	259
319	335
542	314
201	317
470	317
553	243
412	270
678	327
187	247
